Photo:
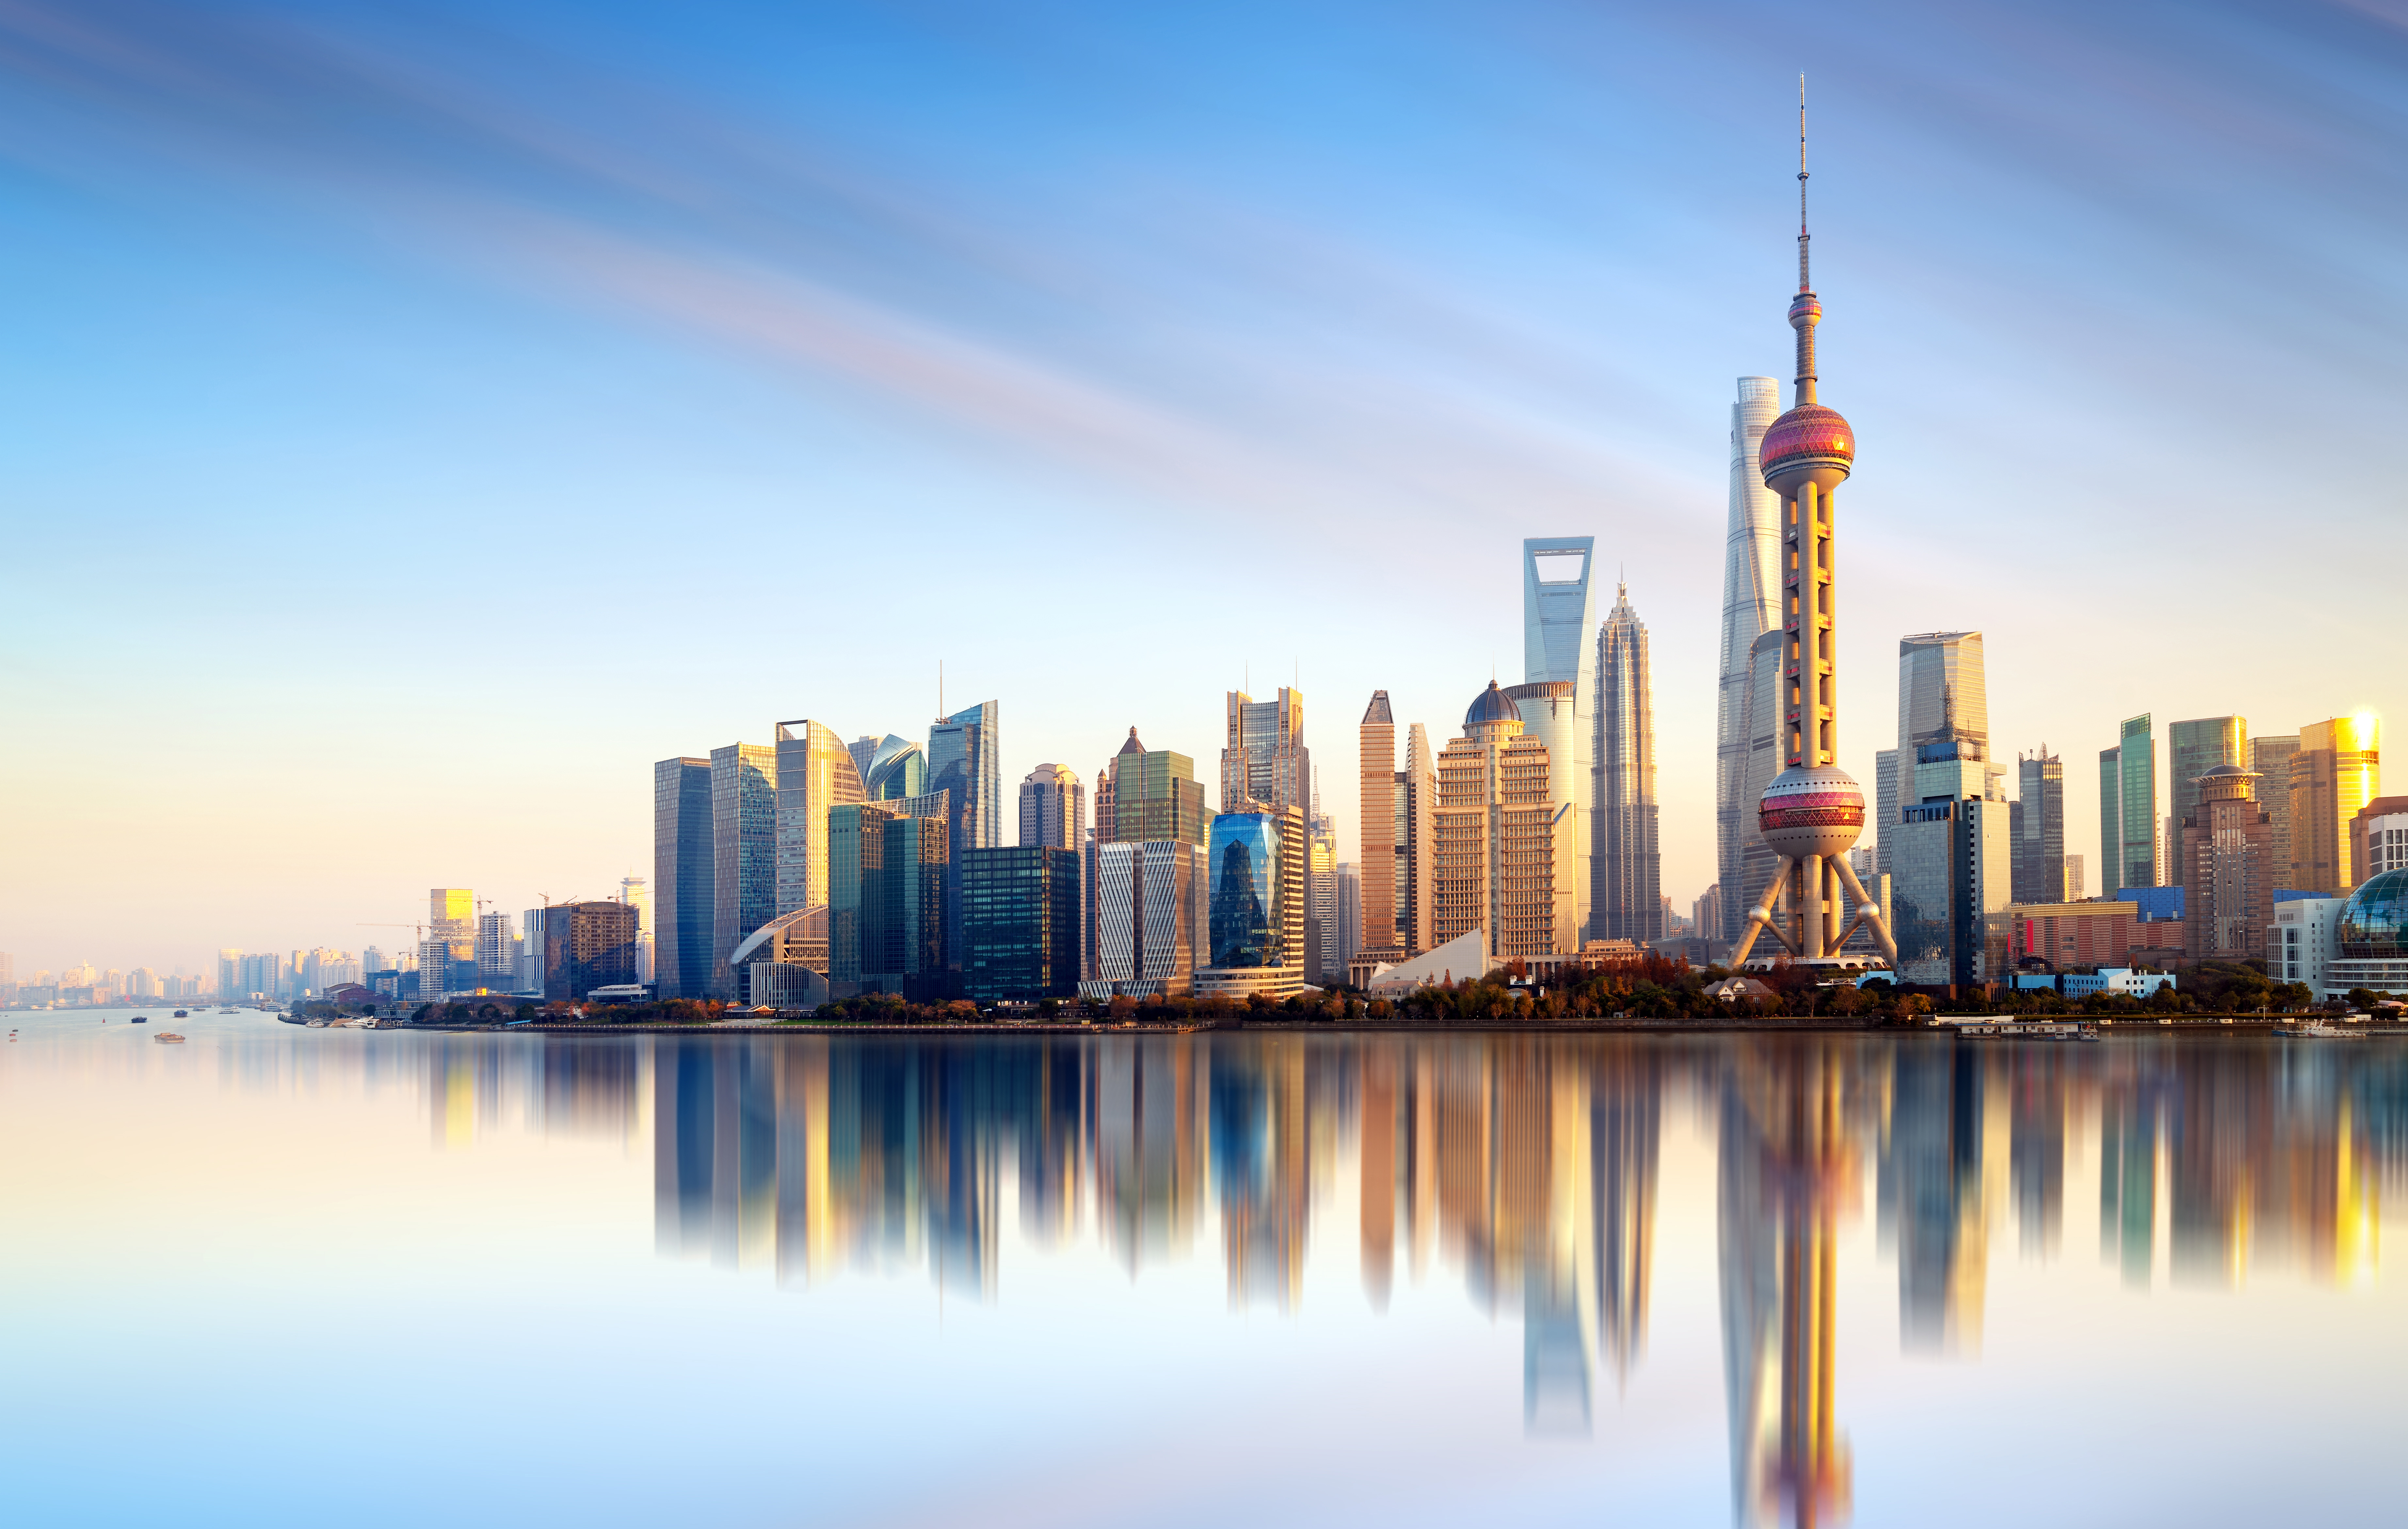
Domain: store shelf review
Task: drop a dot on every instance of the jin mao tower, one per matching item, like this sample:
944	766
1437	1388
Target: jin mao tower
1813	811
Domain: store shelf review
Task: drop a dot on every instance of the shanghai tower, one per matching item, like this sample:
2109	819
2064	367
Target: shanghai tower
1813	811
1751	607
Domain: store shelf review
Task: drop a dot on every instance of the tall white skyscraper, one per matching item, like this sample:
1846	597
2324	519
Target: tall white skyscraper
1558	627
1751	607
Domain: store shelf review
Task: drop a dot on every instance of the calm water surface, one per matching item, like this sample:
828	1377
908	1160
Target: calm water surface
285	1276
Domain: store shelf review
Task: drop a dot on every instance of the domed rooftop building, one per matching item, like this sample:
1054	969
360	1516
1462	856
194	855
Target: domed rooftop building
2337	944
1489	708
1494	812
2371	937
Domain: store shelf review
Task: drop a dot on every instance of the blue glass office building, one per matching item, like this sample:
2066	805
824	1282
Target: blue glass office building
1255	913
886	902
1020	921
683	895
964	762
1245	890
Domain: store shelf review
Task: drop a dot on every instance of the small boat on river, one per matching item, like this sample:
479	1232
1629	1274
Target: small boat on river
2318	1030
168	1038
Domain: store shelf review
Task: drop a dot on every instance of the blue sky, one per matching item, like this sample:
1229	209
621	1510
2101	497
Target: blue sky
416	419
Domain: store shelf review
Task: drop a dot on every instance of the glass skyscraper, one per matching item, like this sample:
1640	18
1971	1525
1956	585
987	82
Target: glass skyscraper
2336	770
2271	759
899	767
965	763
1256	918
1626	900
1020	921
744	854
1952	866
812	772
2127	809
1751	607
1940	686
681	878
585	946
2040	841
887	883
1558	616
2193	748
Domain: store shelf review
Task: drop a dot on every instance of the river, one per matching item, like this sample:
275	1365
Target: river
278	1277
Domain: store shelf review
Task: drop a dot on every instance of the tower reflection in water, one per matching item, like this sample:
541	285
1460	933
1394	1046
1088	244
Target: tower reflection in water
1525	1166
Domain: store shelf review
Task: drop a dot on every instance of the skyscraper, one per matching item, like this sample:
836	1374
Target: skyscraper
447	957
1751	607
1323	961
2127	809
1885	816
1953	865
2337	770
887	876
1558	613
682	871
2040	828
1767	739
810	772
1813	811
894	767
1377	856
1416	799
496	951
1052	808
585	946
1264	760
2228	870
1020	922
636	893
1146	879
1256	914
1154	795
1494	831
1147	919
744	834
2192	750
965	762
1627	895
1347	892
450	910
1940	684
2271	759
1550	715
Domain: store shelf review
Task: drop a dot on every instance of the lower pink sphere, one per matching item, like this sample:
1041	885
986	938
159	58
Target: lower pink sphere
1816	810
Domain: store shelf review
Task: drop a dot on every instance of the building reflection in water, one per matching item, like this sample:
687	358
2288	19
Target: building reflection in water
1524	1166
1793	1111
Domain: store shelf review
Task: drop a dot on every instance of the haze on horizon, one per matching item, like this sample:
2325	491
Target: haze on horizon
420	420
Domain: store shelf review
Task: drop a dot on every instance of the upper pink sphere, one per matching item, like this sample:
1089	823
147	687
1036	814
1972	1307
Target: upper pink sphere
1808	443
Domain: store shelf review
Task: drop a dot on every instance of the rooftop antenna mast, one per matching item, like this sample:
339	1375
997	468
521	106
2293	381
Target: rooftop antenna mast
1803	237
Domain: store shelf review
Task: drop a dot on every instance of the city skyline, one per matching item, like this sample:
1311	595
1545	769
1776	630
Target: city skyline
1553	369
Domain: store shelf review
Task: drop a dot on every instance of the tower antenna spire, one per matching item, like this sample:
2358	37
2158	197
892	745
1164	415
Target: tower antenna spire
1803	237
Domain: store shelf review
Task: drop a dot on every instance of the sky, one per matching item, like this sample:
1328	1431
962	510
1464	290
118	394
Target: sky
417	419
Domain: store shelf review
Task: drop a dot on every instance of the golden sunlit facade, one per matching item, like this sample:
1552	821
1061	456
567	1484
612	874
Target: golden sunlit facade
2337	769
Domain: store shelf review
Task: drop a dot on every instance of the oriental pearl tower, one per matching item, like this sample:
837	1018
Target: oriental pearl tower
1813	811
